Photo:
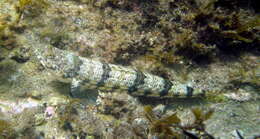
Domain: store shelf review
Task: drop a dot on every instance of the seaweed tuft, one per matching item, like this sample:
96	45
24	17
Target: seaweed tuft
170	126
6	130
30	8
162	128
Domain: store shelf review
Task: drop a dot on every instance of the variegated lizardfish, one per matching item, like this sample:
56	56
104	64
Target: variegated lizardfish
110	77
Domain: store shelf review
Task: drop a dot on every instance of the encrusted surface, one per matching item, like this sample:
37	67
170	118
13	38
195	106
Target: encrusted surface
56	80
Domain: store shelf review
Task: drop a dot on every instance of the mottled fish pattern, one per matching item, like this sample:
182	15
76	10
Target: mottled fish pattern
110	77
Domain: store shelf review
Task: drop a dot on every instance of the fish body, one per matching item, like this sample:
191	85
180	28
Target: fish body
111	77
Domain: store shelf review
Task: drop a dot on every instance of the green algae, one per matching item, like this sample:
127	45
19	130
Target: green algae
171	35
243	28
7	69
201	116
67	115
170	126
174	40
30	8
6	130
6	35
216	97
161	127
242	76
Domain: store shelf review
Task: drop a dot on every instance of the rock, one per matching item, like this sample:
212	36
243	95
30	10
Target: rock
241	96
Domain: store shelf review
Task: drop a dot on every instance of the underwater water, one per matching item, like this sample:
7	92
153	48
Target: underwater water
120	69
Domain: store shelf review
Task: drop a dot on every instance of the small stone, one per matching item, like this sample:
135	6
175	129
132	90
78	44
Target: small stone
140	121
159	109
90	137
56	100
237	134
49	111
39	119
241	95
36	94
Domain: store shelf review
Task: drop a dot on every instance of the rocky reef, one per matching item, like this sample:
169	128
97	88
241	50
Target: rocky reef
212	43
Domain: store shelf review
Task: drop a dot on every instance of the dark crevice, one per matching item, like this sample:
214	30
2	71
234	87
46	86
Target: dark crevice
1	58
20	59
67	126
235	4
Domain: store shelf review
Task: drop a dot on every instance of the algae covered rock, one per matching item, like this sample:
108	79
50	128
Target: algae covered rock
6	130
213	44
